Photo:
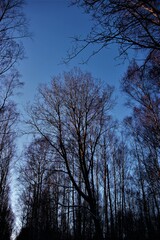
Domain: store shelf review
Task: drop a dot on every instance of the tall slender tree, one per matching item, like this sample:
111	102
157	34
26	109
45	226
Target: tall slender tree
71	115
8	119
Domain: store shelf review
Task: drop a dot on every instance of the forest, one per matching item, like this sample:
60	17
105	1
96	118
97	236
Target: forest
84	175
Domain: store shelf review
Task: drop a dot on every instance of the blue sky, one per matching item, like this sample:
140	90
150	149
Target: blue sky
53	24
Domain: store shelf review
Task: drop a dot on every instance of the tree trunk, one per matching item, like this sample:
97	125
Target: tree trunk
97	223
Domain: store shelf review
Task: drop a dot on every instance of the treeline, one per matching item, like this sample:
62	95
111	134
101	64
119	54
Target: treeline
84	176
13	27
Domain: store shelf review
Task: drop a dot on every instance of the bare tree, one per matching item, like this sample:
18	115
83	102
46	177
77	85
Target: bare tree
6	216
142	88
38	194
130	24
8	119
13	27
71	114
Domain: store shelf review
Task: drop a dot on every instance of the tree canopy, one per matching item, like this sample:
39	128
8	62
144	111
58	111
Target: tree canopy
131	24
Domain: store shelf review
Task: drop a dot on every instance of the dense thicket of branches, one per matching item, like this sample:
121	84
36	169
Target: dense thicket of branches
8	119
13	27
130	24
83	177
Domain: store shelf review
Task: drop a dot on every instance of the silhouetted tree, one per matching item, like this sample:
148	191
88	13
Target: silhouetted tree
6	216
85	177
13	27
142	87
130	24
71	115
39	204
8	120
